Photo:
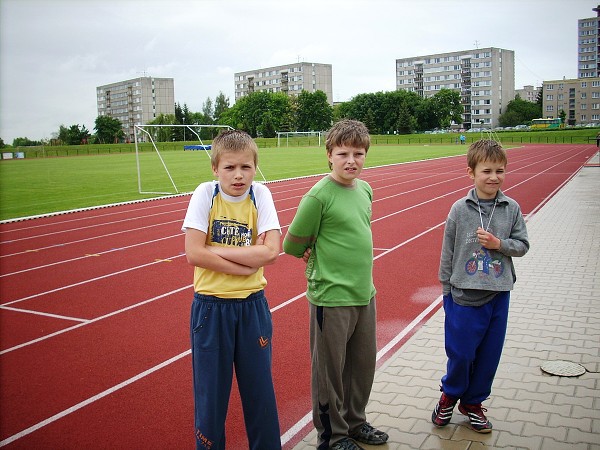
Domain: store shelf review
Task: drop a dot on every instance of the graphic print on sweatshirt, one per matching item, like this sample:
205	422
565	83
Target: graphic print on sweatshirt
482	263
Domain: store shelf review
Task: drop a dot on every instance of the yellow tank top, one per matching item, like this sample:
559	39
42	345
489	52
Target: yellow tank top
230	224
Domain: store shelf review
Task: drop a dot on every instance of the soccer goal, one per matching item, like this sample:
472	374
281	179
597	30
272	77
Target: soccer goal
298	138
161	133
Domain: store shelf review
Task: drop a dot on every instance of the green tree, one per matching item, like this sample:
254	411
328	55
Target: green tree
221	105
208	110
447	107
24	142
365	107
248	112
519	111
108	130
406	122
74	135
182	117
267	126
63	134
341	111
314	113
400	111
370	122
563	115
509	119
383	112
163	134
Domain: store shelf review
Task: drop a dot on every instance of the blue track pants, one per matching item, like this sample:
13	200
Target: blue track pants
474	341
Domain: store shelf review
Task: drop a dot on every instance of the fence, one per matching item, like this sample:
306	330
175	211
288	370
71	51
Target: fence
446	139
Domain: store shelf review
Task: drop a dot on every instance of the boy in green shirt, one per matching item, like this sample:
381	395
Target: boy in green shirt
332	233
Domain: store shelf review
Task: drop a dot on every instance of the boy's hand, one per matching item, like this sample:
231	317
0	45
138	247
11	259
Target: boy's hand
306	255
260	239
488	240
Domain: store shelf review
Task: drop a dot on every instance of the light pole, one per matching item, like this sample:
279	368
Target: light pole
183	129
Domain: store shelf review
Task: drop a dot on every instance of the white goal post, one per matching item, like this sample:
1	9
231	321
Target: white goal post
286	135
150	133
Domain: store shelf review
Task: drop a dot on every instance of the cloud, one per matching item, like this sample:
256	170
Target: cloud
53	55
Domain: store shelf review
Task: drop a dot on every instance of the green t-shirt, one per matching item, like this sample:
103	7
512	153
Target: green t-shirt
334	220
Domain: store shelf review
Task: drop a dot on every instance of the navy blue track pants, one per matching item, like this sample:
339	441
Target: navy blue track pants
228	334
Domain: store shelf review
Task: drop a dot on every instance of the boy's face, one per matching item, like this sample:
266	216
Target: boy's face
346	163
488	177
235	171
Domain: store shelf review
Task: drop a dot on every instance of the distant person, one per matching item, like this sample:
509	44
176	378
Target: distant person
598	139
463	139
483	232
332	233
231	232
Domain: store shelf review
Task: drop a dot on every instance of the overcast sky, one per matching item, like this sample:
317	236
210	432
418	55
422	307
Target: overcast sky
54	53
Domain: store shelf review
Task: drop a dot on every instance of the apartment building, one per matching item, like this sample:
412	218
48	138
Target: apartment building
528	93
588	46
290	79
579	98
485	78
137	101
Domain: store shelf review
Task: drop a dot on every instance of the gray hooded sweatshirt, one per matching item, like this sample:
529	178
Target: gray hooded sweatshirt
471	272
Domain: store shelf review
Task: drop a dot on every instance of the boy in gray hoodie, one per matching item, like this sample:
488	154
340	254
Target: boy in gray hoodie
483	232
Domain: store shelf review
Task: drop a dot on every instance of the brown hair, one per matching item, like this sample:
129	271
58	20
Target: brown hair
352	133
485	150
232	141
348	132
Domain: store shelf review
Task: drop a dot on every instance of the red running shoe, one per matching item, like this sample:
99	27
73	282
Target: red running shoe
476	416
442	413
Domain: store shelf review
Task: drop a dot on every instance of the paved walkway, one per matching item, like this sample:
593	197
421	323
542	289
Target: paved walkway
554	316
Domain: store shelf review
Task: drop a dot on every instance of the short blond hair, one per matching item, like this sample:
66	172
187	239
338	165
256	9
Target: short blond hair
486	150
232	141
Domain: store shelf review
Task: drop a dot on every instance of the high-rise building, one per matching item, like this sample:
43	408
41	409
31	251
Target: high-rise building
588	47
290	79
137	101
577	99
485	78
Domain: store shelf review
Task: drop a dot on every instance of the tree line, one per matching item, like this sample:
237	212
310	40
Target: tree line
263	114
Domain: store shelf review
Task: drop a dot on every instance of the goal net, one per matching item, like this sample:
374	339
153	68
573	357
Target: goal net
146	162
298	138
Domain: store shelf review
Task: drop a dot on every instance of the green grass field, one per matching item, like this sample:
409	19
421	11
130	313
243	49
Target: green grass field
30	187
55	179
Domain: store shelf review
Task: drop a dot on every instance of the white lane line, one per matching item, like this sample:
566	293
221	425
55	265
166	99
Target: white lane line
91	400
112	250
97	319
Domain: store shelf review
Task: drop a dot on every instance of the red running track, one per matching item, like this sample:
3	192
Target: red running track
94	305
